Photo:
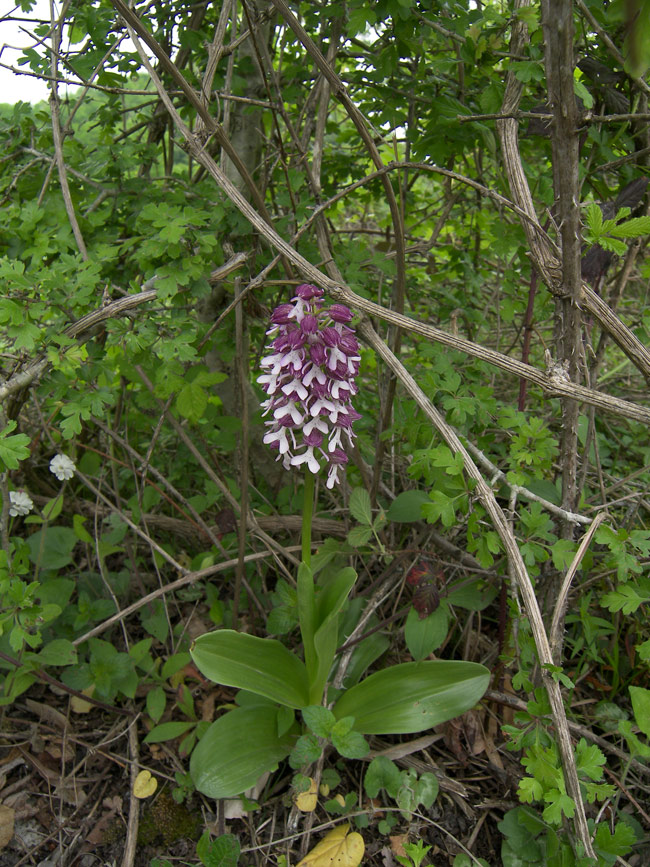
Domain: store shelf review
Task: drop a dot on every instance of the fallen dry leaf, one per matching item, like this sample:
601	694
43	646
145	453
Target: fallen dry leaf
306	801
78	705
145	785
48	713
6	825
397	844
336	849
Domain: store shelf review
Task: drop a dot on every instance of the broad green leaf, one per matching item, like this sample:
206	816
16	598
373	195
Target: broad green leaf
52	547
351	744
330	602
318	719
156	702
423	636
236	750
360	507
260	665
641	706
618	843
382	773
364	654
192	401
52	509
168	731
413	696
222	852
60	651
407	507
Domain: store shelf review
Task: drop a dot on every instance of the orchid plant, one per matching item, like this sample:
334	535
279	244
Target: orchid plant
309	377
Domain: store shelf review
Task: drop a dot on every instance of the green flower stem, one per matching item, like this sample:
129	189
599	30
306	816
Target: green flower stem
307	513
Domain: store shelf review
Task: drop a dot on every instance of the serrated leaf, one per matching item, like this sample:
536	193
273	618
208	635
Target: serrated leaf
351	744
617	844
613	245
359	536
222	852
14	447
594	218
563	552
360	507
318	719
192	401
633	228
60	651
626	598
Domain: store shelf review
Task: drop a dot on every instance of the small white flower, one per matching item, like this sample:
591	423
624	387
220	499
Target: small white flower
307	457
62	467
20	503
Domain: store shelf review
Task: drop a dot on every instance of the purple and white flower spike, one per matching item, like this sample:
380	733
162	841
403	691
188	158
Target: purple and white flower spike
309	377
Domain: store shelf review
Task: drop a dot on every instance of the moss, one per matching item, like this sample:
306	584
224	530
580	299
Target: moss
169	820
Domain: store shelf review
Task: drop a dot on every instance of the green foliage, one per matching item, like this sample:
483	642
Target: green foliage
405	788
148	402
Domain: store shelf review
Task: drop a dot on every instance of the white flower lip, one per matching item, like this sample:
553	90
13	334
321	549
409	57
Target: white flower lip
20	503
308	375
62	467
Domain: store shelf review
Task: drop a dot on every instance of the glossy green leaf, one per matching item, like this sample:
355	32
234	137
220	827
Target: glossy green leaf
236	750
424	635
260	665
413	696
329	605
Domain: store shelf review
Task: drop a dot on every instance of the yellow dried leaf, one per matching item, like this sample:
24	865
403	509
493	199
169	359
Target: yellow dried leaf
336	849
340	799
324	789
306	801
145	785
78	705
6	825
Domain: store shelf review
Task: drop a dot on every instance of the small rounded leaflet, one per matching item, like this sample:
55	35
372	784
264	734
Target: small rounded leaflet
306	801
145	785
336	849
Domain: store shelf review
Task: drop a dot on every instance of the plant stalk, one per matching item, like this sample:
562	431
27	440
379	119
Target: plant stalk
307	513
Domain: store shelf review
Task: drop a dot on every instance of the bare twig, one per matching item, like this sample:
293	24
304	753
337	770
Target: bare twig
187	579
128	858
557	624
